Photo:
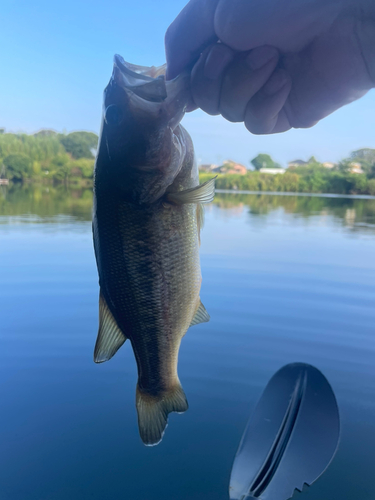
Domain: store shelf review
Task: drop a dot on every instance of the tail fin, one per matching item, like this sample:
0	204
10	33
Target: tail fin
153	412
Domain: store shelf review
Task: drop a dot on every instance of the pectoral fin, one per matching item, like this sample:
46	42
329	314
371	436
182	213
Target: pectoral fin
201	315
204	193
110	337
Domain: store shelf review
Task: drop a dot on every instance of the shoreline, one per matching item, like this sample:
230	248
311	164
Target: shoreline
88	184
287	193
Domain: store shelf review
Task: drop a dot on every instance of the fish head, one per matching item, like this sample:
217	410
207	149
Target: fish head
141	141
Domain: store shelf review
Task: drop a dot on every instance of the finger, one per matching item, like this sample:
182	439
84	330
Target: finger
288	25
189	34
330	73
191	107
264	113
207	76
246	75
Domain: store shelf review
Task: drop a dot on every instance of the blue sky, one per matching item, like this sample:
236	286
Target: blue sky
56	59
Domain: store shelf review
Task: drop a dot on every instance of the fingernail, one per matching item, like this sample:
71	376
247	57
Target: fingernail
260	56
276	82
217	60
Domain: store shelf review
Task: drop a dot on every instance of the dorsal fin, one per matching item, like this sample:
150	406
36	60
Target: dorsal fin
204	193
110	337
201	315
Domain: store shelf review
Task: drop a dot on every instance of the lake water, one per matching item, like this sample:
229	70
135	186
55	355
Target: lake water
285	278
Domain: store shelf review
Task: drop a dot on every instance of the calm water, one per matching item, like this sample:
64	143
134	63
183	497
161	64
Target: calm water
284	279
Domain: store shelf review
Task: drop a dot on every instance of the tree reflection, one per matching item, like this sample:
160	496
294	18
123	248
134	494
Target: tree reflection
45	202
354	213
48	202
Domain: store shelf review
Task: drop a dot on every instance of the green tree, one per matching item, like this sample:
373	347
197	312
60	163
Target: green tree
60	167
83	168
313	162
263	161
79	144
366	158
371	187
363	155
45	133
18	166
344	165
36	147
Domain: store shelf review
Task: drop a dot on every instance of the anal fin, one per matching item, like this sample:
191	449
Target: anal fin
201	315
204	193
110	337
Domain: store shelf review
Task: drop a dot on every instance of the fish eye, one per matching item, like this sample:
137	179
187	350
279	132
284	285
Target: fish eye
113	115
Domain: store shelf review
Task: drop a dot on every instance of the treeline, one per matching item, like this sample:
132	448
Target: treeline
51	157
48	156
352	175
307	179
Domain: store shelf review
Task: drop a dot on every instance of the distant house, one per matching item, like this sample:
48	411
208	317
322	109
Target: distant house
328	164
355	168
272	171
231	167
207	167
297	163
3	181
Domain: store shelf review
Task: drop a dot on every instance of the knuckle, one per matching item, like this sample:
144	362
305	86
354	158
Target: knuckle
208	102
256	129
258	126
231	114
254	112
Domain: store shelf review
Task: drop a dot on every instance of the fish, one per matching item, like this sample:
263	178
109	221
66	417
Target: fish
147	216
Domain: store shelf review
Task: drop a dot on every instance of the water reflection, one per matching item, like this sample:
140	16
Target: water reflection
46	202
285	279
357	214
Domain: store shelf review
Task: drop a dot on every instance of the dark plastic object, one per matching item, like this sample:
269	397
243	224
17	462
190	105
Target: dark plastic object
290	439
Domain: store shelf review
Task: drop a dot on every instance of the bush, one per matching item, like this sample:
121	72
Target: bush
311	179
17	166
80	144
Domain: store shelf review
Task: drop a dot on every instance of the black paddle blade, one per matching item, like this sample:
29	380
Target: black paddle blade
291	437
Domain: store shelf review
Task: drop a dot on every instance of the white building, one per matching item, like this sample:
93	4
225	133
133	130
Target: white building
355	168
272	171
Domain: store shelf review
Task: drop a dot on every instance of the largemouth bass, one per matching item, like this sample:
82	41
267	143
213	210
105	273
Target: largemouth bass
146	222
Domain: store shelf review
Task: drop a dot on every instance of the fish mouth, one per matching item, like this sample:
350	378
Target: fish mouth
148	90
143	81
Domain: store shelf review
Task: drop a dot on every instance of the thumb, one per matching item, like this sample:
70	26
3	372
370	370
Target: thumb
189	34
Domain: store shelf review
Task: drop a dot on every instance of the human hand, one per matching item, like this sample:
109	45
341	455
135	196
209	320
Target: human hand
281	64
